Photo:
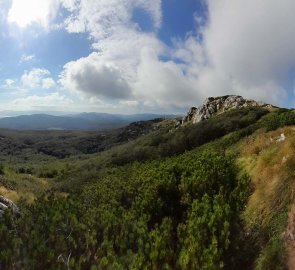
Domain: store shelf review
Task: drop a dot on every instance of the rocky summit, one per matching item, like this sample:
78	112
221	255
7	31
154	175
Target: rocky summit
217	105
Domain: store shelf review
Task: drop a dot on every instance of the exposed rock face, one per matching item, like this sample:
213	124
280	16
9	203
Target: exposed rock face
218	105
5	204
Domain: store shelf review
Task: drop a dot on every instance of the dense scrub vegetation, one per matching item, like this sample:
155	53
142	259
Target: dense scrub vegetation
281	118
181	213
175	198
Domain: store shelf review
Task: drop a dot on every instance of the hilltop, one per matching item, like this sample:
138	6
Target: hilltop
211	192
217	105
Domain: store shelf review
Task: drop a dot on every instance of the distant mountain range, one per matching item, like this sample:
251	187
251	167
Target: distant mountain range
81	121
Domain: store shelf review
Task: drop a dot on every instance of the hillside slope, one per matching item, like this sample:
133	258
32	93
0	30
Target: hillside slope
217	194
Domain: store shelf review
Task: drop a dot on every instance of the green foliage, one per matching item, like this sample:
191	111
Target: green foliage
48	235
10	242
180	212
221	125
206	235
2	171
280	118
272	254
165	144
176	214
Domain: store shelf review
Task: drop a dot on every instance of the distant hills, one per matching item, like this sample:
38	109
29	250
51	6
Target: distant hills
81	121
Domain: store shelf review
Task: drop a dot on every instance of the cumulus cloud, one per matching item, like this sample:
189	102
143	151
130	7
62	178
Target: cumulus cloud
245	47
37	78
95	78
48	83
113	71
163	83
236	54
256	49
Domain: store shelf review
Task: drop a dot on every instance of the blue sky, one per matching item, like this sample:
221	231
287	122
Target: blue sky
130	56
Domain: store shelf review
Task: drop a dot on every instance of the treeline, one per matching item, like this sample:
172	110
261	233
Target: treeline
182	213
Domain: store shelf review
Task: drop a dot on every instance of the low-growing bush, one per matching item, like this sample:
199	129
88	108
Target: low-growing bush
181	213
278	119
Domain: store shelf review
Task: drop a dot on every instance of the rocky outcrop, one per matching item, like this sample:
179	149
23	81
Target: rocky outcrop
7	204
218	105
136	129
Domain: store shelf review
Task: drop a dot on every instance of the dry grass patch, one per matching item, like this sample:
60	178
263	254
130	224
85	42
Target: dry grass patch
271	166
10	194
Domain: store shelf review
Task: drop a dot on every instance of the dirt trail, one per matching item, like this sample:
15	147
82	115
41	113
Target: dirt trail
289	238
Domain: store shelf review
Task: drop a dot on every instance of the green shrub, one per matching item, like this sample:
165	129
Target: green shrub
180	213
278	119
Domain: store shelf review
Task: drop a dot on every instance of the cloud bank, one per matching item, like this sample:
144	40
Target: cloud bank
50	101
236	54
244	47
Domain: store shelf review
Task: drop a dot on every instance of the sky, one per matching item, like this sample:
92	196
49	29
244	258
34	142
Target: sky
136	56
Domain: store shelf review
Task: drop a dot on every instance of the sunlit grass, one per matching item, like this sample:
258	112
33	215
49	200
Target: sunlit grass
16	186
271	166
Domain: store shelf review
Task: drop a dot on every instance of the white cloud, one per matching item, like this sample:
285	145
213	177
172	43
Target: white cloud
95	78
120	69
129	103
48	83
251	48
53	100
37	78
9	83
101	18
128	65
24	13
248	55
27	58
163	83
246	47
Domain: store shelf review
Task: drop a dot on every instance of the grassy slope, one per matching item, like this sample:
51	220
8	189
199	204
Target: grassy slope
271	166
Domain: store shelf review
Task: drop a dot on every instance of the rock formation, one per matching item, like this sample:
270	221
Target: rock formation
218	105
5	204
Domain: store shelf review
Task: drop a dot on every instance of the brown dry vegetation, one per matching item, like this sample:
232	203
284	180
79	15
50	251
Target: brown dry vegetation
289	239
271	166
22	186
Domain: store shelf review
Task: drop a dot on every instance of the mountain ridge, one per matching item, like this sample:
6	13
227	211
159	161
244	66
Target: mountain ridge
82	121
